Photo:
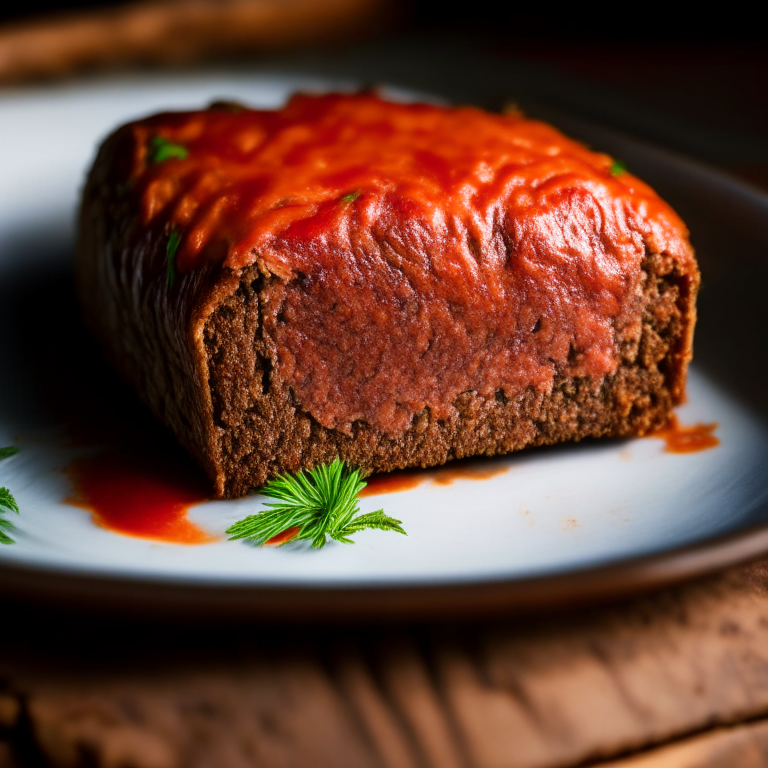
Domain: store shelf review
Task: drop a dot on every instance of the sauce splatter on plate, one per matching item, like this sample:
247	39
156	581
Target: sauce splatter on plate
139	495
683	439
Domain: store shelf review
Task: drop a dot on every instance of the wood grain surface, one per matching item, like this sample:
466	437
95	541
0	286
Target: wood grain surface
678	678
177	32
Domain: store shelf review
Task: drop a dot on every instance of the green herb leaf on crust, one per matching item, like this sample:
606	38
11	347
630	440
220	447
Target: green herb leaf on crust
313	506
617	168
161	149
170	258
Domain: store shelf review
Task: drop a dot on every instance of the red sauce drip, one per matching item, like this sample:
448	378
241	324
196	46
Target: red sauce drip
682	439
289	534
140	496
422	251
447	475
393	482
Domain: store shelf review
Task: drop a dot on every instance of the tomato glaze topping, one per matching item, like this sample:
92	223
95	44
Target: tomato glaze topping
421	251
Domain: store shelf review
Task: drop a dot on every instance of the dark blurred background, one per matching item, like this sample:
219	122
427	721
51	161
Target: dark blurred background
689	80
651	22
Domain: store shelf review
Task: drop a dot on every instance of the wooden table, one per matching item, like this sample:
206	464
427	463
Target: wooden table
678	678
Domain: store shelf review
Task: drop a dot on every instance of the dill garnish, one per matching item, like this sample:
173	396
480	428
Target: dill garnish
320	503
161	149
170	257
7	502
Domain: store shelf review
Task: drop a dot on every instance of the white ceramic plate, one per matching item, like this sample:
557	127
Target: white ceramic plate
551	516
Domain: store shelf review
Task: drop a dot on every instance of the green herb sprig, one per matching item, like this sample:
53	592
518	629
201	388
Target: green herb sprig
170	258
161	149
7	502
617	168
351	197
318	504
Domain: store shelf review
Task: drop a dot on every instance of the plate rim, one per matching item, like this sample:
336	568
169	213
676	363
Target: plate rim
471	598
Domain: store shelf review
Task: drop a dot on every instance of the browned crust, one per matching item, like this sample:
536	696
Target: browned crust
152	336
198	355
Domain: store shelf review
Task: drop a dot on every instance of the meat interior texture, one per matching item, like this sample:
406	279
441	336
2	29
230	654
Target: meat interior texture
397	285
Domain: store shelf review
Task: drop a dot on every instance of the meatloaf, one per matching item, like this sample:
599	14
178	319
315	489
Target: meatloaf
394	284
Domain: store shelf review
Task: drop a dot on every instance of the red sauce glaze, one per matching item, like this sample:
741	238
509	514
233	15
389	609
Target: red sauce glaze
422	251
681	439
140	496
394	482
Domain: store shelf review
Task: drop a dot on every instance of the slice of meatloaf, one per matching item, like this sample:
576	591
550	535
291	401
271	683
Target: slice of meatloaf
398	285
